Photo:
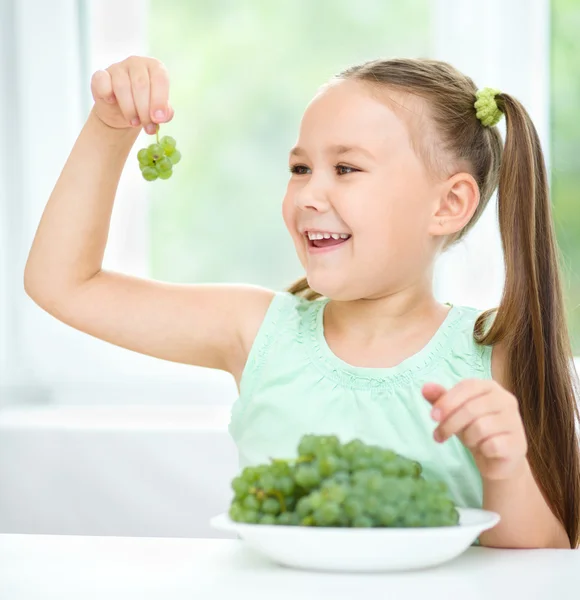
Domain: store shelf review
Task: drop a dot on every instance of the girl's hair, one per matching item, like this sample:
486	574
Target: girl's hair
530	320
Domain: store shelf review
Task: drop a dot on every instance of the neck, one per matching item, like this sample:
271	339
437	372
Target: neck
383	316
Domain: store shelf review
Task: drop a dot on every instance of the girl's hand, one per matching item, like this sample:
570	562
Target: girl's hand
486	418
132	93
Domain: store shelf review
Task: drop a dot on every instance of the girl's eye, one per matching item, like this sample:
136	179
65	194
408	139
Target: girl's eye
341	170
298	169
344	170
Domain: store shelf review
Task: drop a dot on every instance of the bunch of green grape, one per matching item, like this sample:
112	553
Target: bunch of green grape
341	485
157	160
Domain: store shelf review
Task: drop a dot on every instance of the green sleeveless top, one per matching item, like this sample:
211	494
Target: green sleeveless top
294	384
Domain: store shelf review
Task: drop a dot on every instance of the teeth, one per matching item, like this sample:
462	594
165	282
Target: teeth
326	236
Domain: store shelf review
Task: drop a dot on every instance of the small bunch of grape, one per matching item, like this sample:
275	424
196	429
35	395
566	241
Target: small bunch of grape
157	160
341	485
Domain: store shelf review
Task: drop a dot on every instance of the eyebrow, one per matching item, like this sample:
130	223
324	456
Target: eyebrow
337	149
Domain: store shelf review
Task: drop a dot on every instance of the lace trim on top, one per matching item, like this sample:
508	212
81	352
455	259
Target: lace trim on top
367	378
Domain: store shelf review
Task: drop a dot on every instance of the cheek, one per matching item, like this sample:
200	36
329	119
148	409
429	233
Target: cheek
289	213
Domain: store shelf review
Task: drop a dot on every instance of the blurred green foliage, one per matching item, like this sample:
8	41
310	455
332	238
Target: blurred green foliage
242	74
565	151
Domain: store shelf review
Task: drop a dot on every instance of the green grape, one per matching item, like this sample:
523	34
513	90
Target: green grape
157	159
240	487
286	485
175	157
307	476
167	141
236	511
328	465
267	520
271	506
413	519
164	164
340	485
362	521
250	516
334	492
155	151
251	503
304	506
353	507
288	518
165	174
387	515
316	500
150	173
144	158
327	514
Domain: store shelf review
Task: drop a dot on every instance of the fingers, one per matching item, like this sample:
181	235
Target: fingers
139	78
466	390
482	429
464	416
102	87
139	87
496	446
432	392
123	91
160	110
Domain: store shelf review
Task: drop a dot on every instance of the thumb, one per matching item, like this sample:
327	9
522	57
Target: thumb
432	392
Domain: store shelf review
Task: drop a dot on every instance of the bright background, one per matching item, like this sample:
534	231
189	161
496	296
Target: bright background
242	73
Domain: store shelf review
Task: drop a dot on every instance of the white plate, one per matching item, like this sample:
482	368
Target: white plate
352	549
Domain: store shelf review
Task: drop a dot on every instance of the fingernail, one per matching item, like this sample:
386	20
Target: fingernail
135	122
437	436
436	414
151	129
159	115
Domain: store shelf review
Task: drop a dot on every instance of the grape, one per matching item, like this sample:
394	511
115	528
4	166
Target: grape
157	160
271	506
150	173
144	158
164	164
165	174
267	520
327	514
240	487
251	502
168	143
175	157
307	476
331	484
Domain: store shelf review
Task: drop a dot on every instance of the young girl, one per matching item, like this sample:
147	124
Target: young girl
395	162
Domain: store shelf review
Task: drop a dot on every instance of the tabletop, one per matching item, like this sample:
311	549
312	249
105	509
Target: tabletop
122	568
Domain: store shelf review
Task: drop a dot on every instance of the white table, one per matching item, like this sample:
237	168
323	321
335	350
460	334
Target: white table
37	567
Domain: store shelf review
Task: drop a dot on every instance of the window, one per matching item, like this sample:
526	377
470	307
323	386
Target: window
242	74
565	100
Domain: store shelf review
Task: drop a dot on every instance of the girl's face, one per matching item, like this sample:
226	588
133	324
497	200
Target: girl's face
355	173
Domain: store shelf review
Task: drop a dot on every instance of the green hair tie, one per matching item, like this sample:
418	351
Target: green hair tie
487	110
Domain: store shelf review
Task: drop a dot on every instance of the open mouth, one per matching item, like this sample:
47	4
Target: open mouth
317	239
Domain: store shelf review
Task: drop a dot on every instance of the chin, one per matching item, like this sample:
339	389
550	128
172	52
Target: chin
336	289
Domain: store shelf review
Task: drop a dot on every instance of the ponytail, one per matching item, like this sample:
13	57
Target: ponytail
530	320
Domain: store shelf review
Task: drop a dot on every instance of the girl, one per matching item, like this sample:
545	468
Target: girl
395	162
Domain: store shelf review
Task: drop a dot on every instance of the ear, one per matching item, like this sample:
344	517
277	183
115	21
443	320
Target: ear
457	202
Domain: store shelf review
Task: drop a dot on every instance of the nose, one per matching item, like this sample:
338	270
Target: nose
313	195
